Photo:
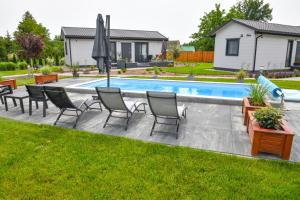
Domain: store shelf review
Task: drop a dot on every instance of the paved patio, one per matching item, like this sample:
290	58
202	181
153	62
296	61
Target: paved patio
208	126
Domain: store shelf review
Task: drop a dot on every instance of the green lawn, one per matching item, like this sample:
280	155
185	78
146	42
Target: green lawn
14	72
285	84
198	69
46	162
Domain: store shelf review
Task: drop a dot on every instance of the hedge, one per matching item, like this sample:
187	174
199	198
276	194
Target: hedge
8	66
22	65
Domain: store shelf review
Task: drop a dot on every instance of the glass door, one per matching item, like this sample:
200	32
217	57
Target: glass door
289	53
297	59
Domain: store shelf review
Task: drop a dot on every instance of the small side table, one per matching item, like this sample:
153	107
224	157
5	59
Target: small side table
14	97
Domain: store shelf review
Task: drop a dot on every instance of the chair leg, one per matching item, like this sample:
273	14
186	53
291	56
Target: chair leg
46	104
44	108
36	104
30	107
127	121
1	99
15	103
153	126
107	119
178	123
60	114
78	117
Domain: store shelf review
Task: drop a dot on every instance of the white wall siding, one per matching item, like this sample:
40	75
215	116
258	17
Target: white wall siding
155	48
81	50
272	52
246	48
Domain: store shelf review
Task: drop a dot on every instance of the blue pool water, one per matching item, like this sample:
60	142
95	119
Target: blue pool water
180	87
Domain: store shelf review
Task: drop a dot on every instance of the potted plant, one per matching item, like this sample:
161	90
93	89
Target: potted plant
269	133
46	76
241	75
256	100
156	72
11	82
75	69
191	74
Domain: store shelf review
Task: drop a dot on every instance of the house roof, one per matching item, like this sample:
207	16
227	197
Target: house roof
89	33
187	48
265	27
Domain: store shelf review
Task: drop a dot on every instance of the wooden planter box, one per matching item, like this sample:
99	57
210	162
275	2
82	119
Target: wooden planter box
246	107
42	79
278	142
11	82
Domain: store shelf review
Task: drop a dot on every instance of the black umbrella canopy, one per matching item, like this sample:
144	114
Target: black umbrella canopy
100	53
164	50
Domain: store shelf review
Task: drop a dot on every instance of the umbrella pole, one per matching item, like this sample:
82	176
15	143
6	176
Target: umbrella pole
108	48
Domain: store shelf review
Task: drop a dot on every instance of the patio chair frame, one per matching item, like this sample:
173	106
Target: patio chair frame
156	117
129	113
68	105
32	97
6	90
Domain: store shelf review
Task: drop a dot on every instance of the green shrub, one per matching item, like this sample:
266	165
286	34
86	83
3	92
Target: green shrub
156	70
7	66
257	95
22	65
124	70
268	117
241	75
58	69
45	70
119	72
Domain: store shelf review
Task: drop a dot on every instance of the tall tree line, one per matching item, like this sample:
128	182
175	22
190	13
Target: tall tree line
256	10
31	40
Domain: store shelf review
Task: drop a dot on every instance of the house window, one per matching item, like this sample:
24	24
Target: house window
232	47
297	59
141	51
66	48
113	51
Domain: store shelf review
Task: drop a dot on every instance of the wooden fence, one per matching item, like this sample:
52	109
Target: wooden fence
197	56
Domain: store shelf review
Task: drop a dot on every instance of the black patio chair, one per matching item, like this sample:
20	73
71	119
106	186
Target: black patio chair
61	100
163	105
36	94
113	101
4	90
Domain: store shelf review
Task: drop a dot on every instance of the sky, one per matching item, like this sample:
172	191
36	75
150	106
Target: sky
176	19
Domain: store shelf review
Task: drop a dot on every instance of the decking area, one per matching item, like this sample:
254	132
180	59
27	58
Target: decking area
211	127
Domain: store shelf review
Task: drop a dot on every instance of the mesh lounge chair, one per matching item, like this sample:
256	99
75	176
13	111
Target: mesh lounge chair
5	89
113	101
163	105
60	99
36	93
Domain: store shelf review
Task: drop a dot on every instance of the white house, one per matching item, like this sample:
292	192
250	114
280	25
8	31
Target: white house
253	44
133	45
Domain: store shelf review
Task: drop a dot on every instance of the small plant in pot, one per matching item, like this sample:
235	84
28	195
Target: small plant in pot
191	74
269	118
156	71
75	69
45	70
241	75
269	133
256	100
46	77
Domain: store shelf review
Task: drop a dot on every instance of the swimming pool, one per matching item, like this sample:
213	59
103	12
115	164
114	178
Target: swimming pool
182	88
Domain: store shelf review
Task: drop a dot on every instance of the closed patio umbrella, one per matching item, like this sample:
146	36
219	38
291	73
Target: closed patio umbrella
164	50
101	48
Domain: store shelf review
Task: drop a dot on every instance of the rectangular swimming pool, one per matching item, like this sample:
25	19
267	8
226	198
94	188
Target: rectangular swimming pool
182	88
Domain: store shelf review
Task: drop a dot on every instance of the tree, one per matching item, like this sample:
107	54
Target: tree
31	44
9	43
30	25
3	50
252	10
209	22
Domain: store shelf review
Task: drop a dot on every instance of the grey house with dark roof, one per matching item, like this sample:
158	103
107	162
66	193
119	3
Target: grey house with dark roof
252	44
132	45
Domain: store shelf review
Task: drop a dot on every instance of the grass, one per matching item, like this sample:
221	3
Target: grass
285	84
46	162
13	72
198	69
